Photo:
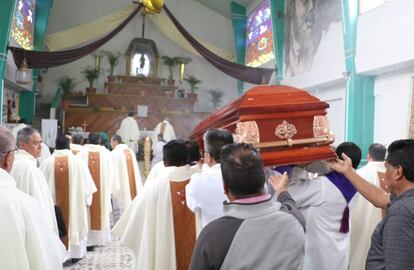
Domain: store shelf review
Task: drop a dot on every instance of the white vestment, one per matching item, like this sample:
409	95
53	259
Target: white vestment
81	188
31	180
168	134
205	194
76	148
27	241
365	218
147	226
157	152
44	154
120	167
17	128
129	131
107	186
322	204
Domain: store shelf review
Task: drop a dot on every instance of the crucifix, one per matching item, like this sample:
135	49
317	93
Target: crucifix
84	125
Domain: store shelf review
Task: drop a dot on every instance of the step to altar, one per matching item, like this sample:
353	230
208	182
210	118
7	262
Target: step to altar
109	121
140	89
130	102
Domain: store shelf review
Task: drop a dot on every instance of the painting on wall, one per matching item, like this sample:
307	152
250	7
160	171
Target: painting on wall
23	24
259	36
306	23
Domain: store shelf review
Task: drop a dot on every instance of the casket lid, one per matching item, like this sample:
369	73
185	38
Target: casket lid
268	107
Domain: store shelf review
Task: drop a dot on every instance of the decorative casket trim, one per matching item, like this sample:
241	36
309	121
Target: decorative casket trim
247	132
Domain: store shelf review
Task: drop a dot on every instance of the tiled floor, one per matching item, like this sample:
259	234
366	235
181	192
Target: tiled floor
113	256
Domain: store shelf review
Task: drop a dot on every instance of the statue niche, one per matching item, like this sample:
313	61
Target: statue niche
142	58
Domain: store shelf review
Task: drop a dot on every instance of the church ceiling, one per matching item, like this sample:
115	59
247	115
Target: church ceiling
223	6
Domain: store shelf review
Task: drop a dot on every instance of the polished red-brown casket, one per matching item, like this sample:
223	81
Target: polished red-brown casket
287	124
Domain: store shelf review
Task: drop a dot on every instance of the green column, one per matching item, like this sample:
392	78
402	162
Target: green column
28	99
360	101
6	18
278	26
239	20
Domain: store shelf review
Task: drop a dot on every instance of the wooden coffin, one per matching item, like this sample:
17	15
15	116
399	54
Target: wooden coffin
287	124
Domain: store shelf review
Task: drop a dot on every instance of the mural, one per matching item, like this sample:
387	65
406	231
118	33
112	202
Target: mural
23	23
306	23
259	36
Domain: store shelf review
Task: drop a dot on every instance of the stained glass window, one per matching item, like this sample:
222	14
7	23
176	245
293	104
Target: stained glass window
23	23
259	36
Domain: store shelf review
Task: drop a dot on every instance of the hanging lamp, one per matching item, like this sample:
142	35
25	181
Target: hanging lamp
24	73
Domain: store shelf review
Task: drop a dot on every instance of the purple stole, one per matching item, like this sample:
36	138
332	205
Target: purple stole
348	191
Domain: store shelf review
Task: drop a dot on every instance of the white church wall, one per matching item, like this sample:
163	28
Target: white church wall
198	20
334	95
385	45
392	106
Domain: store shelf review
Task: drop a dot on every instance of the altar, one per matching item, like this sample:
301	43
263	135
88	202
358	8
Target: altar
139	87
104	112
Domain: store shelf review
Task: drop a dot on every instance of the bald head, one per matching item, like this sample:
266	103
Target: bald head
7	145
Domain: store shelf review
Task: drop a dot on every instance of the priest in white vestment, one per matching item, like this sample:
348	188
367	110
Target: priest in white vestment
126	172
326	202
78	196
27	241
18	127
102	174
129	131
165	129
366	216
205	193
76	143
147	226
28	176
44	154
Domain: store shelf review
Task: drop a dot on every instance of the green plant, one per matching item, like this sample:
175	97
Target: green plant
170	62
113	60
216	97
192	81
90	74
67	85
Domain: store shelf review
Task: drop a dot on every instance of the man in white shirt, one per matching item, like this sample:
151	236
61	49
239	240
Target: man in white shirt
366	216
129	131
27	241
157	150
71	186
205	193
28	176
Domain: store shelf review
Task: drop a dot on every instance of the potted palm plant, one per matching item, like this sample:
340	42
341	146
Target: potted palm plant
113	61
67	85
193	82
90	74
216	96
170	62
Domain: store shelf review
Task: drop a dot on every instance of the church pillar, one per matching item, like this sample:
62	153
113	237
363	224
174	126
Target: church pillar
6	17
28	99
277	8
360	101
239	20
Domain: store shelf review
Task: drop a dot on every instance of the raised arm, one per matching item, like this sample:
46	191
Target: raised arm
375	195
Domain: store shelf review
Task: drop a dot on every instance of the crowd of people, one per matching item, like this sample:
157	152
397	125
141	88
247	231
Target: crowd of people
215	207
